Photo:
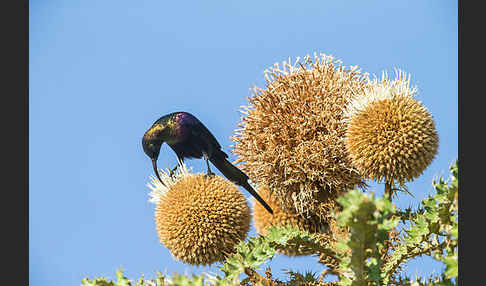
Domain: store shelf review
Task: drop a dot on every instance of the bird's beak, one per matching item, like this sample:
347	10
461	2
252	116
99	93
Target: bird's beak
154	163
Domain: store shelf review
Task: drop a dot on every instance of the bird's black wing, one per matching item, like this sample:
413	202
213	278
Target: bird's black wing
203	134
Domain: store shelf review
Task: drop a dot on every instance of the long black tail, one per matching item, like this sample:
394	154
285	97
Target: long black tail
232	173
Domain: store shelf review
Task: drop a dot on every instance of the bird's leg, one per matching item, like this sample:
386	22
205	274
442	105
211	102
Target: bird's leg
206	158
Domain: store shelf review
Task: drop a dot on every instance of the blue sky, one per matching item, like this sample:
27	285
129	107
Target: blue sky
101	72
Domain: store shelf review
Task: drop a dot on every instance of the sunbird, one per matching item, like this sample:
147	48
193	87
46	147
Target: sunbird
189	138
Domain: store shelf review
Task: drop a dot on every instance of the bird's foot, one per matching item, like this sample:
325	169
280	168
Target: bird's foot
210	174
172	174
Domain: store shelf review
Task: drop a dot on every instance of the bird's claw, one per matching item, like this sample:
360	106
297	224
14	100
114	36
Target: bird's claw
171	173
210	174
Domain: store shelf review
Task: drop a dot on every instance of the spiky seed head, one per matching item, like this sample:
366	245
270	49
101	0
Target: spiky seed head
263	220
199	218
391	136
291	137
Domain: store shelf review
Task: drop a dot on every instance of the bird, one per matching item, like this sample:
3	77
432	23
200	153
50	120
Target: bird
189	138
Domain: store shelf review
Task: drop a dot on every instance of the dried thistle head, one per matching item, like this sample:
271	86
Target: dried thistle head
391	137
199	218
263	220
291	137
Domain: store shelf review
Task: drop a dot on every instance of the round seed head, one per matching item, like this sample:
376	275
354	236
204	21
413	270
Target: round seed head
391	136
199	218
291	138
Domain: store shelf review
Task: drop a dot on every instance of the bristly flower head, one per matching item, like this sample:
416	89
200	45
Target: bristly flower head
292	133
391	137
199	218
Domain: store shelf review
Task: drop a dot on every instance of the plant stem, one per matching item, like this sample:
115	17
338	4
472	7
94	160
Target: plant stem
388	189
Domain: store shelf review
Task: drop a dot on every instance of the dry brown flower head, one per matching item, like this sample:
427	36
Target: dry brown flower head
391	136
199	218
291	137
